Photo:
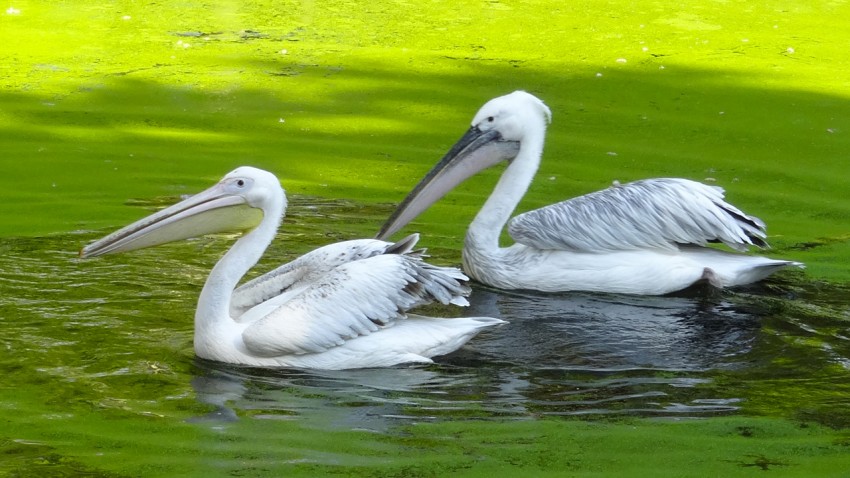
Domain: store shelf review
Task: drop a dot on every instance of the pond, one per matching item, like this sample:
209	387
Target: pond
100	352
109	111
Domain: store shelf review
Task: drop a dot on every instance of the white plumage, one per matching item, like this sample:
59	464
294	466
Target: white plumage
341	306
645	237
653	213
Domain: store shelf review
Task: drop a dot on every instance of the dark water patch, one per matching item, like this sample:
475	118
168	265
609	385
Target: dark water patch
115	333
120	328
97	358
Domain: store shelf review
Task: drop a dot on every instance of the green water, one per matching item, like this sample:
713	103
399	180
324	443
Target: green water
109	110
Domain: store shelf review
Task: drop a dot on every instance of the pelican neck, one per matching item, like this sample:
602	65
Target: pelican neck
484	232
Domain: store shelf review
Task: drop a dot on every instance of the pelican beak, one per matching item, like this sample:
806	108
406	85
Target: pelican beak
212	211
475	151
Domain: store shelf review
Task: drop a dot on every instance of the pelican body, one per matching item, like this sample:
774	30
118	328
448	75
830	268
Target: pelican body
340	306
647	237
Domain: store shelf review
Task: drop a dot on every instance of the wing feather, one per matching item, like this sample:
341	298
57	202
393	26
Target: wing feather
653	213
354	299
310	267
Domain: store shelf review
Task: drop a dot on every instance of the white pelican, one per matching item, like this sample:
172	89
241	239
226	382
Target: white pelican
339	306
646	237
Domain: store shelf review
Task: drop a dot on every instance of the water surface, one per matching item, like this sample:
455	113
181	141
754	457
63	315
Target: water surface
120	327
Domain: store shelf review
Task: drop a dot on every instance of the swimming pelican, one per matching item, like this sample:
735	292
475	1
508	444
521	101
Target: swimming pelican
646	237
339	306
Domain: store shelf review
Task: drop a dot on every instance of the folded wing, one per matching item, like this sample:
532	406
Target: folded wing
650	214
332	309
310	267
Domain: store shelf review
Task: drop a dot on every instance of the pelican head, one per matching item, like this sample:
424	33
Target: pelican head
239	202
498	132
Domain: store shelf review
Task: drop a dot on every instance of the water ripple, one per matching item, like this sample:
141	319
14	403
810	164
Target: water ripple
117	333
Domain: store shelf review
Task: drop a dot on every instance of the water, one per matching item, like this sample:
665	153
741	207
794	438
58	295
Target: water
99	372
116	333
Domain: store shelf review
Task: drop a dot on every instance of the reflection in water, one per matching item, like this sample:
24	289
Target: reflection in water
611	332
367	398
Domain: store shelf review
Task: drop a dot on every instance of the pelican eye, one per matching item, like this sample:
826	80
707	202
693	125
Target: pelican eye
240	183
490	119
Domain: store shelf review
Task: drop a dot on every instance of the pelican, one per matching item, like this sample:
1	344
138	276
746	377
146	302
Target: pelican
340	306
648	237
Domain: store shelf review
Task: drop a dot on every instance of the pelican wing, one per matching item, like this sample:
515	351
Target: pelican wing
653	213
309	267
357	298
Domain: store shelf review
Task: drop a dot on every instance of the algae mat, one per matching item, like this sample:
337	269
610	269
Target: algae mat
106	102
